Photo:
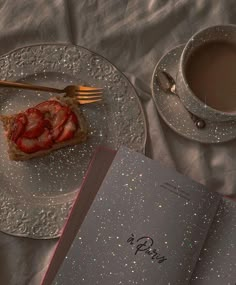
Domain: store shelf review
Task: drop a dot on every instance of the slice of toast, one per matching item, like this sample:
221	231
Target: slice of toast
15	150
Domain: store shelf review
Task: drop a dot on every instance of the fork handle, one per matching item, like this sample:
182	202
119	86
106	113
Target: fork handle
29	86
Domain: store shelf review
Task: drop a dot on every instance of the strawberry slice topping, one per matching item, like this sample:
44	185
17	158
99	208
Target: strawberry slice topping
51	107
40	127
60	117
28	145
35	125
47	124
58	121
55	116
45	140
56	132
22	118
69	129
18	126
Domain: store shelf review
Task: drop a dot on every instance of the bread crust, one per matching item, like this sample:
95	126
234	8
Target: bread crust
80	136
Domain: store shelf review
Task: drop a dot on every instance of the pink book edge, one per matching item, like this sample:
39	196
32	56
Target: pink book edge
71	228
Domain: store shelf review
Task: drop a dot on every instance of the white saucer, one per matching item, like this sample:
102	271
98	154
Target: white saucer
176	116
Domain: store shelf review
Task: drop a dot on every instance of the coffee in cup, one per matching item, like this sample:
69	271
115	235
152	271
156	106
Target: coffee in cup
206	80
211	74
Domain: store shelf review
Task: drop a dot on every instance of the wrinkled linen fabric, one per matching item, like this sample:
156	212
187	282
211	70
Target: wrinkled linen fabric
132	34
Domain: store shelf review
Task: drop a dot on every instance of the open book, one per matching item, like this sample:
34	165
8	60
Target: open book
138	222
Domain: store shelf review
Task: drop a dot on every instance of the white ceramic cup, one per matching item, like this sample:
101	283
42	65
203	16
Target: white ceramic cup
220	33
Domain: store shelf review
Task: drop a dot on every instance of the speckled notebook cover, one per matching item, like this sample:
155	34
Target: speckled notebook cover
147	225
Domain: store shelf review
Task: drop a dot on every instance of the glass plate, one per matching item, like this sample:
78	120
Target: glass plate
36	195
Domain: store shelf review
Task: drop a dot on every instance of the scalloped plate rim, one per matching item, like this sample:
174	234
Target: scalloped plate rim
73	193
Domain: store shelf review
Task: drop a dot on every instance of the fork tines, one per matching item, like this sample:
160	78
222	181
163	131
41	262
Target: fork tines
85	90
88	95
88	101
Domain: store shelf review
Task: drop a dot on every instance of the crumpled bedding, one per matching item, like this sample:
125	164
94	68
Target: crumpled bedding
133	35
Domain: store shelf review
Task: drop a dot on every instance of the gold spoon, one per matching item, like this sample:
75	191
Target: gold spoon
167	84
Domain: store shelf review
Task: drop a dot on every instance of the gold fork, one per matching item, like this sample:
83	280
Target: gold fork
84	94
